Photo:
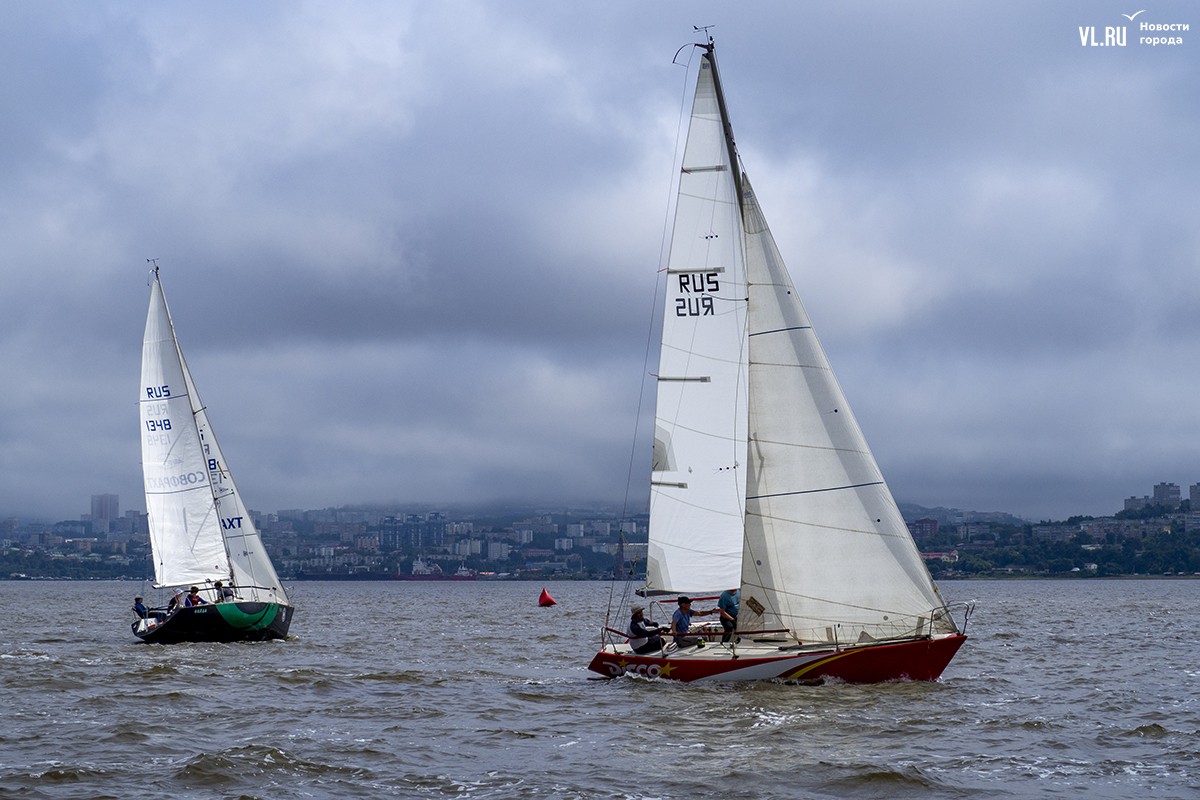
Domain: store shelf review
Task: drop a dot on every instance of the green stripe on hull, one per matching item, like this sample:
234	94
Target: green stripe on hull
236	618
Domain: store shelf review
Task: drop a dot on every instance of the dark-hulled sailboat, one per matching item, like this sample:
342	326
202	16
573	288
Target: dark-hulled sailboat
200	531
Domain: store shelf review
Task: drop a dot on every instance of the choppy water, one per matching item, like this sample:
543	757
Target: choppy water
471	691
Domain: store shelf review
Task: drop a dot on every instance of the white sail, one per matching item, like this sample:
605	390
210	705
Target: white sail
199	529
185	532
828	555
761	476
698	476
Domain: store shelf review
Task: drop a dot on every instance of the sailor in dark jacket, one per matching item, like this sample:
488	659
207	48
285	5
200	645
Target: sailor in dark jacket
643	635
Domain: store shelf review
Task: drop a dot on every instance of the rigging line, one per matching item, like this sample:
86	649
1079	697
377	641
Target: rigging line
816	491
663	252
701	507
692	353
676	426
662	256
715	200
743	378
690	350
744	361
636	420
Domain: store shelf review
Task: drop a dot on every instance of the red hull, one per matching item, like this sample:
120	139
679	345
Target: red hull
918	661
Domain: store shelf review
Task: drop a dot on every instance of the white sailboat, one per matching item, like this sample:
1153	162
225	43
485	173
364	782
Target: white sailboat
201	534
761	479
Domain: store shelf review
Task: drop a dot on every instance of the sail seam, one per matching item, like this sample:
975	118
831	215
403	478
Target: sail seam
790	366
826	527
782	330
813	446
814	491
827	601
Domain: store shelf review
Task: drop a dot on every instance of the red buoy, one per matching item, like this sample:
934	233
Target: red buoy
546	599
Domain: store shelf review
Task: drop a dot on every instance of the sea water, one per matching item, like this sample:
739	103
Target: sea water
470	690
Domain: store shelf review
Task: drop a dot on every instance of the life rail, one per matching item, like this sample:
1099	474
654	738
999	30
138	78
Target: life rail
966	607
208	586
699	632
210	589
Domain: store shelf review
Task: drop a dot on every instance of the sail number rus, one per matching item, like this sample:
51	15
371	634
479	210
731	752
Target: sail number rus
703	286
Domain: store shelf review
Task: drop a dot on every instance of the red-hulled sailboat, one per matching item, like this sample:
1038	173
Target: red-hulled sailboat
761	479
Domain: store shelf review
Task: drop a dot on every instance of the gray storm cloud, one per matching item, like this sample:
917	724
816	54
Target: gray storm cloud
411	249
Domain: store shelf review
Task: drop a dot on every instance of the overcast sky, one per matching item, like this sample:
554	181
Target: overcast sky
411	247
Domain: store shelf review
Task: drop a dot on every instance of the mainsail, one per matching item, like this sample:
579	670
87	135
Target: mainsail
698	483
200	531
761	476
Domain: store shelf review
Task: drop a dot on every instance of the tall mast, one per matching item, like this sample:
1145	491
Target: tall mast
726	127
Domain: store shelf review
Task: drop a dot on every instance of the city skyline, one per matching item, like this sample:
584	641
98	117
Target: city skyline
1164	493
411	251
